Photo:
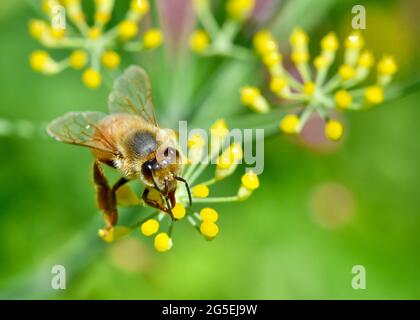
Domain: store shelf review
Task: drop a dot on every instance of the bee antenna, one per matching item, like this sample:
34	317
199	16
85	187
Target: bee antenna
169	207
187	187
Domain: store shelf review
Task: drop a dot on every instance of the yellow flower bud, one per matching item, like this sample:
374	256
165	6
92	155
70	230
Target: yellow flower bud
219	128
91	78
366	59
199	41
94	33
334	130
127	29
252	97
111	59
272	58
196	141
209	215
354	41
152	38
300	57
230	156
209	230
114	233
102	17
149	227
330	42
250	180
343	99
346	72
374	94
37	28
309	88
289	124
141	7
200	191
40	61
298	38
321	62
264	42
78	59
387	66
279	84
162	242
179	211
239	9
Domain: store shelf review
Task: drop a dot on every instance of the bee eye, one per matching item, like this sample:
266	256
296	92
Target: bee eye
171	155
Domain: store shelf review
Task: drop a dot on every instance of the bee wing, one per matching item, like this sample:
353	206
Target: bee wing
132	93
80	128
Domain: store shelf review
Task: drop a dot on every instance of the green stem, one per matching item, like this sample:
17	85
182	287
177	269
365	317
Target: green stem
216	199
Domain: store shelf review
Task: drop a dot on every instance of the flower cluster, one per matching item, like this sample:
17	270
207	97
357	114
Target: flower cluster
226	157
213	39
90	46
315	87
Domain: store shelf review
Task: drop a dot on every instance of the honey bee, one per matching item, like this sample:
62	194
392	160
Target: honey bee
129	140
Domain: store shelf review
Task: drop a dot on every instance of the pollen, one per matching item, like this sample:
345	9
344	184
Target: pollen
387	66
178	211
111	59
127	29
163	242
346	72
200	191
209	230
289	124
152	38
334	130
374	94
199	41
91	78
239	9
78	59
343	99
150	227
209	215
250	180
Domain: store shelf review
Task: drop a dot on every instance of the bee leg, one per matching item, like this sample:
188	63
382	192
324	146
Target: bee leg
153	203
106	197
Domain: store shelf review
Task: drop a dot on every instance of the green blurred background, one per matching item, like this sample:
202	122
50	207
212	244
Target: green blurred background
319	210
